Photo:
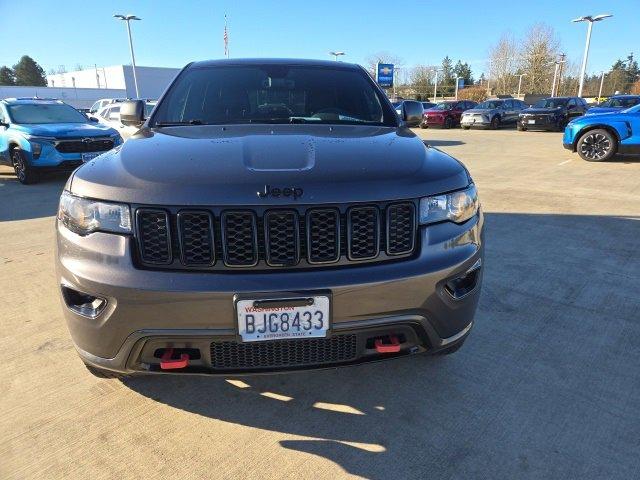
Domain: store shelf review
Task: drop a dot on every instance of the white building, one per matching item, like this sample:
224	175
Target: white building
152	81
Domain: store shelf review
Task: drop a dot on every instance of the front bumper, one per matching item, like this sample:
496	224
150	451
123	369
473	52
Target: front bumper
474	122
150	310
433	121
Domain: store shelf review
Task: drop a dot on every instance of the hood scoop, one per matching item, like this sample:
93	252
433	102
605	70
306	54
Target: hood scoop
279	153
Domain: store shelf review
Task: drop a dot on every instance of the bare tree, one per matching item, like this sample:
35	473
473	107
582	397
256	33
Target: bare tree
382	57
503	63
539	51
421	78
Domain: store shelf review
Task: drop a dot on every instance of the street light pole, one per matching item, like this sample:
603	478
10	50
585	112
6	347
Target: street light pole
457	79
520	82
128	18
435	87
601	83
591	20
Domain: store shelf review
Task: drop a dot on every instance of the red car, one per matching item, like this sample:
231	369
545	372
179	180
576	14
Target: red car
446	114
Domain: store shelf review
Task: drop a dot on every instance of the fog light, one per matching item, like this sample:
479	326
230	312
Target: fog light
82	303
461	286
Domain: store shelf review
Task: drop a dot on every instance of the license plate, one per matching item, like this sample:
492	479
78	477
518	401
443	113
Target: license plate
280	319
531	122
89	156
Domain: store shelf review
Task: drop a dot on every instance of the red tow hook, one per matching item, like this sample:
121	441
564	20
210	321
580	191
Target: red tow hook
166	363
392	347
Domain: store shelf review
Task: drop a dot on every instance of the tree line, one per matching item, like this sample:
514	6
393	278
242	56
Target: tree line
528	63
26	72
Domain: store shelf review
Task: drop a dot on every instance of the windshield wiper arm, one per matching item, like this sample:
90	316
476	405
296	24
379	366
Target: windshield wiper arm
174	124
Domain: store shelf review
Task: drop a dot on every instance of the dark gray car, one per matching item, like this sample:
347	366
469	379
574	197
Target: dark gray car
269	215
493	113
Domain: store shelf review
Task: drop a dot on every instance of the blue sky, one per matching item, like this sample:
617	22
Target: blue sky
71	32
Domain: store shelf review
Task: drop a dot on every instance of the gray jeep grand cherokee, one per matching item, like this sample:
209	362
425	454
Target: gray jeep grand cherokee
269	215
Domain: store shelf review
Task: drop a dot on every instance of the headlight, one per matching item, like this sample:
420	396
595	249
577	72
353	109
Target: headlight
36	143
84	216
456	207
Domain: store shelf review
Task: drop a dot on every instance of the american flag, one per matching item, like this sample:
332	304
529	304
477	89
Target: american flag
226	38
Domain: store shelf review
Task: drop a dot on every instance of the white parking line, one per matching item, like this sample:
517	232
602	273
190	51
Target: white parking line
566	161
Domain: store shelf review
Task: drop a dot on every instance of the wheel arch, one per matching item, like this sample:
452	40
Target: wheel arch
596	126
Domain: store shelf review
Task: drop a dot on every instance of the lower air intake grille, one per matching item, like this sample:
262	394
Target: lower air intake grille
227	355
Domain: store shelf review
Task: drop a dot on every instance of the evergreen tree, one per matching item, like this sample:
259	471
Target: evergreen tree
28	72
447	76
463	70
6	76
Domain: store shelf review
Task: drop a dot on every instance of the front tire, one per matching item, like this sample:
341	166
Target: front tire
520	127
26	173
495	123
597	145
465	127
448	123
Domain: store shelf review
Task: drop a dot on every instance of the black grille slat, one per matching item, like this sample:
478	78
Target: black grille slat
282	238
80	146
363	230
240	243
154	236
230	355
323	235
197	239
203	238
401	219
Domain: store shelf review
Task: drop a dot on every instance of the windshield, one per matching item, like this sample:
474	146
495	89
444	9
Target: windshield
272	94
624	102
551	103
443	106
488	105
45	113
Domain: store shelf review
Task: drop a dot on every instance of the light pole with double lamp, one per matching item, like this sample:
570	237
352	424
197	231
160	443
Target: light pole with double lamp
336	55
591	20
128	18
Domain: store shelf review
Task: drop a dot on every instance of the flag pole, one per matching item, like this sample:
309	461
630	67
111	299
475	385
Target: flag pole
226	38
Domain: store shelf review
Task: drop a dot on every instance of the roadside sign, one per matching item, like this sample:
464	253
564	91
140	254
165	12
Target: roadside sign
385	75
460	83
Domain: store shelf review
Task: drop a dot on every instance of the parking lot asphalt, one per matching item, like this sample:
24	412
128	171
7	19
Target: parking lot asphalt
547	386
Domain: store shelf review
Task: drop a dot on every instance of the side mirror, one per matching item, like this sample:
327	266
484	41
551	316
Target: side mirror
132	113
93	119
412	113
4	124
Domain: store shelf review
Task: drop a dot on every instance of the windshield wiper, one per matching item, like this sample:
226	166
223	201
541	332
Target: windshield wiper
174	124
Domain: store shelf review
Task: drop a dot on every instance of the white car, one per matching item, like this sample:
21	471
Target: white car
103	102
110	115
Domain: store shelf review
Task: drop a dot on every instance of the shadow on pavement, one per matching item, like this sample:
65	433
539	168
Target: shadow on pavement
30	201
547	386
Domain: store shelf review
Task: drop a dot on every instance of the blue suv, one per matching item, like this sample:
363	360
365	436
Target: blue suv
599	137
43	134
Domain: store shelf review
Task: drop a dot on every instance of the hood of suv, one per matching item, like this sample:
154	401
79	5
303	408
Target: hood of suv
538	111
229	165
65	130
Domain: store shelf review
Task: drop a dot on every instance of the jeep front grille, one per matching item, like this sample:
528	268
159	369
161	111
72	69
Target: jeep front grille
267	238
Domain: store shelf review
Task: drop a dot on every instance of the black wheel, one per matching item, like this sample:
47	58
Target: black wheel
452	349
448	122
520	127
495	123
422	125
465	127
100	373
561	125
26	173
597	146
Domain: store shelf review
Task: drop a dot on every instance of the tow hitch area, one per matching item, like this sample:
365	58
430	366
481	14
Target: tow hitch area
169	363
392	346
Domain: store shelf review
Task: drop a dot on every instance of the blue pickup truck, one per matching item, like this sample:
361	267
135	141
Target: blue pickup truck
45	134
